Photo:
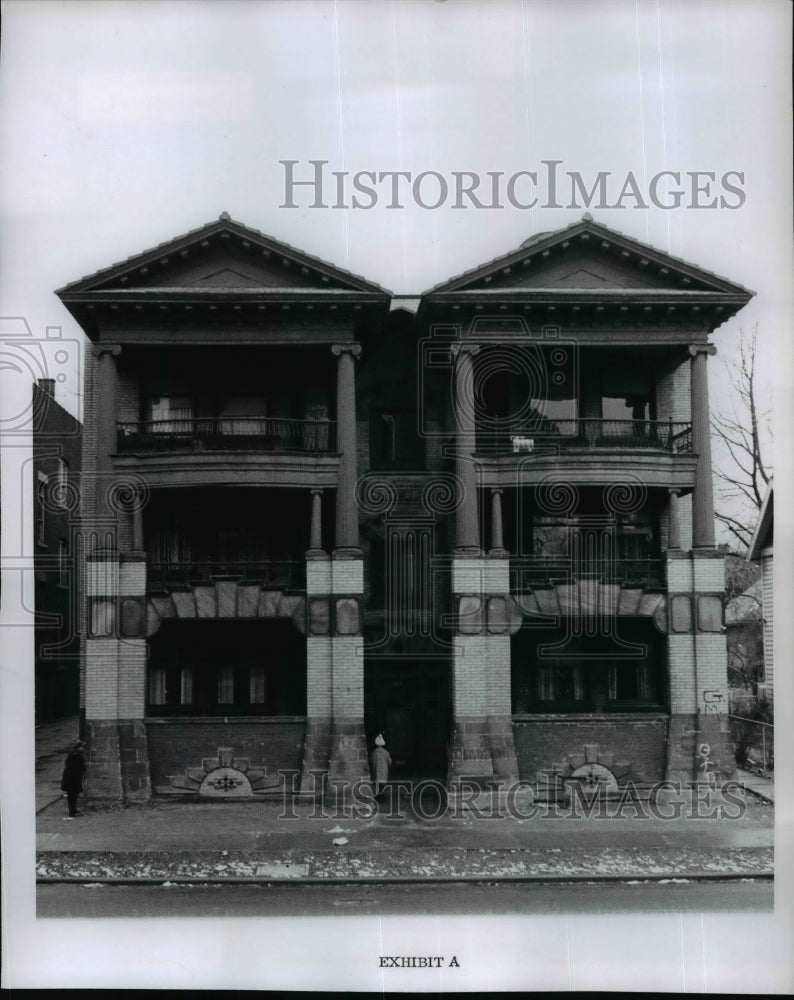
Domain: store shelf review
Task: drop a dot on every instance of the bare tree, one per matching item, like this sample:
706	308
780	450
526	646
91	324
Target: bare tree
742	427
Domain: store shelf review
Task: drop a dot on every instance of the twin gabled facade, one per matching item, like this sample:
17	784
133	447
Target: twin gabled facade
479	520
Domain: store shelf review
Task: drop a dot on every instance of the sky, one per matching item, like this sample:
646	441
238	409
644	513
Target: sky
123	125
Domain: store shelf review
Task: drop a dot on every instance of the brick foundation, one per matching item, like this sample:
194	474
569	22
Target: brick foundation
503	750
177	744
541	742
471	748
316	751
347	756
134	753
103	779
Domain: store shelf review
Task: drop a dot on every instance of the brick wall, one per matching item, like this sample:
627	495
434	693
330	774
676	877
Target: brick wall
685	521
470	680
681	671
102	678
481	576
709	575
498	669
712	672
672	394
132	679
318	676
347	576
176	746
542	741
347	677
132	578
127	397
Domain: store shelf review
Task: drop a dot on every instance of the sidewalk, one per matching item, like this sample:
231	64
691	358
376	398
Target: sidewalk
758	784
265	841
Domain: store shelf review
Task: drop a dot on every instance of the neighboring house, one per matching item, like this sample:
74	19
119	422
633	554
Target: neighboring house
479	519
761	549
57	458
744	629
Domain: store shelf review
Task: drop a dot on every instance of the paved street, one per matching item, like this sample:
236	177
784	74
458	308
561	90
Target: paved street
281	900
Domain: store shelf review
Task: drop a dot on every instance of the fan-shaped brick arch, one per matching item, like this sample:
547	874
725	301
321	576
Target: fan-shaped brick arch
589	597
224	599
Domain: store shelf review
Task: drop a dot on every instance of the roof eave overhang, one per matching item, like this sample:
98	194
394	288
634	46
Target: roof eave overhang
240	296
588	230
588	296
759	540
224	228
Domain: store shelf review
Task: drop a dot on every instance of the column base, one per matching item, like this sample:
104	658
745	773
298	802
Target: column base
348	552
136	784
103	777
347	757
503	750
699	750
118	761
316	751
471	749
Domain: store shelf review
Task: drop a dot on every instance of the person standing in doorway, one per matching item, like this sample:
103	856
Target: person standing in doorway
72	780
381	762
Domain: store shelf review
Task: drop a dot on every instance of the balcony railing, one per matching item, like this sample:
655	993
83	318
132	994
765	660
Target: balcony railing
276	574
225	433
531	573
657	435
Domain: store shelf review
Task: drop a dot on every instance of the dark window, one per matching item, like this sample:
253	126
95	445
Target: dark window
594	676
394	441
227	668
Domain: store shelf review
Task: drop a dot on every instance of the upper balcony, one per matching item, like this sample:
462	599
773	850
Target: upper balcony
589	450
588	434
296	437
245	450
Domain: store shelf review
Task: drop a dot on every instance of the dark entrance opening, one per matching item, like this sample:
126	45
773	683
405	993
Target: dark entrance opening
409	702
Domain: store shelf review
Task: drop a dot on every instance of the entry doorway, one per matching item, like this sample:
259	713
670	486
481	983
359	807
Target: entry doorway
409	702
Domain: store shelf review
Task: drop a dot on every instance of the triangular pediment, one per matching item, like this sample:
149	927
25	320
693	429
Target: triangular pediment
223	255
585	257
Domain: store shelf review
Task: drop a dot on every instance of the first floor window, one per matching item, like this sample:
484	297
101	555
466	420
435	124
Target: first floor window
225	684
558	670
632	682
560	683
229	667
256	692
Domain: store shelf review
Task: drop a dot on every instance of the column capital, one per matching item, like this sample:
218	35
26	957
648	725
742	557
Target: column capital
354	349
99	349
463	347
317	493
675	491
497	489
708	349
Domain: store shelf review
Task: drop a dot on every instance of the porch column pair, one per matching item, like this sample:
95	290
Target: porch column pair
335	742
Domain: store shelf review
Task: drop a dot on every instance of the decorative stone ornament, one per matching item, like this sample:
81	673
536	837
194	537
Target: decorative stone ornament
224	777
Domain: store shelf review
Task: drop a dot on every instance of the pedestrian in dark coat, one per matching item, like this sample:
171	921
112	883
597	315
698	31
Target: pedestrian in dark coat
73	771
381	762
